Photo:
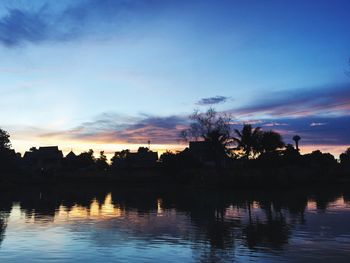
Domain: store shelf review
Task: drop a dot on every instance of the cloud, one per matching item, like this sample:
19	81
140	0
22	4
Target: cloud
111	132
126	129
329	100
212	100
316	130
69	20
317	124
19	26
122	129
273	124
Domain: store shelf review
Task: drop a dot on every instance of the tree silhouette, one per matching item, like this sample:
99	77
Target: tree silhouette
319	159
143	150
213	128
101	162
4	140
269	141
209	126
33	149
290	154
119	157
9	161
296	138
86	159
166	156
247	140
345	158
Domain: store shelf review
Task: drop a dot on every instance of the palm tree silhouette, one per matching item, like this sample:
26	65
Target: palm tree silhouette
247	139
296	138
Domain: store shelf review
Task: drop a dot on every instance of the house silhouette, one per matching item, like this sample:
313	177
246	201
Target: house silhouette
44	158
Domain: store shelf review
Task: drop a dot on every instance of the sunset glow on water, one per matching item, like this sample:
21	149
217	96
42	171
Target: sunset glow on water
144	228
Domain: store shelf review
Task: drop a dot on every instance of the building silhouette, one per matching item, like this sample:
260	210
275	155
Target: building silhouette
142	158
44	158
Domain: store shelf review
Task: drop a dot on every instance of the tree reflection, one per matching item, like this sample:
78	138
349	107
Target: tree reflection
2	226
214	222
273	233
5	209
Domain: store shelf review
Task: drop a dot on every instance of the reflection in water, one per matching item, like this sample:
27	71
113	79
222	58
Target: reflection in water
206	226
95	210
2	226
5	208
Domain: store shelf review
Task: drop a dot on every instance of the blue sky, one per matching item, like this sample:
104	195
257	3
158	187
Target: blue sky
113	74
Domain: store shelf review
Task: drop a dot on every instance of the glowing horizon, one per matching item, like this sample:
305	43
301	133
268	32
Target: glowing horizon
110	148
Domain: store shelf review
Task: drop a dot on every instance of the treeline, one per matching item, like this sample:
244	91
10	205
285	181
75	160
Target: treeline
213	146
220	145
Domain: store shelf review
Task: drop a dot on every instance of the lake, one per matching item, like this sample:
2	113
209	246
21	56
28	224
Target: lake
174	225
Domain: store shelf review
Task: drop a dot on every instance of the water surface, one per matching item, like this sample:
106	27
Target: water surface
128	225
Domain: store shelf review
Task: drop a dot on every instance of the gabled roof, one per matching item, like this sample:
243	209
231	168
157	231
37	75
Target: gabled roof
49	149
45	152
71	154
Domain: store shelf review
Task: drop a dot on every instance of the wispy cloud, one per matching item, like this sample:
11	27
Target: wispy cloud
20	25
111	131
73	19
327	130
125	129
273	124
118	128
328	100
318	124
212	100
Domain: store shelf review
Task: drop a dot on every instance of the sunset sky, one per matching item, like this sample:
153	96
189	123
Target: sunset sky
113	74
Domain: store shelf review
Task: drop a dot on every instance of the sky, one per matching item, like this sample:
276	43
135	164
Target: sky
113	74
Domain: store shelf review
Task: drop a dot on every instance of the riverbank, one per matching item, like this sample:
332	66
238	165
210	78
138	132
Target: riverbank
200	177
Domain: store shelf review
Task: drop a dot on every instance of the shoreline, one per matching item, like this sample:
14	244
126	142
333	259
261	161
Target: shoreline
284	177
